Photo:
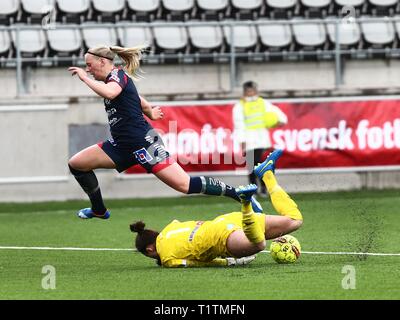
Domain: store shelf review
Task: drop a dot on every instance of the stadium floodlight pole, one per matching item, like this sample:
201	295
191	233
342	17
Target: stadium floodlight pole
19	63
233	58
338	62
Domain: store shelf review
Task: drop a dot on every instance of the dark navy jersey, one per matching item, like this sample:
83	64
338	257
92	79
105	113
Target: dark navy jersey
125	117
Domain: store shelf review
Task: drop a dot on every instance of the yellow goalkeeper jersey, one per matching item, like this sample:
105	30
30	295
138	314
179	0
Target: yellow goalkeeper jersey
198	243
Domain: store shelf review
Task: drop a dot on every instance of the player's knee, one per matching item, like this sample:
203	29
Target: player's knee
74	165
296	224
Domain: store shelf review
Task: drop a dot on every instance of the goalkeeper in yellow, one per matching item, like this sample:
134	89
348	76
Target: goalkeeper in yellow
229	239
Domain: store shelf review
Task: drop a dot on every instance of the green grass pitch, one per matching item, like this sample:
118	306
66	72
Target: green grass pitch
359	221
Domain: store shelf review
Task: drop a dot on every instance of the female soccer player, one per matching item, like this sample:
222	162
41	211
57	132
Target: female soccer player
133	141
229	239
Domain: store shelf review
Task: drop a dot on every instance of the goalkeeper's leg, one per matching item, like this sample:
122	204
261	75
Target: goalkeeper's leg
281	201
291	217
252	239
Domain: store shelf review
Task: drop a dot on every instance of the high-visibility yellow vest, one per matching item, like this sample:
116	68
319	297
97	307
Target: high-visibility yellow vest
254	114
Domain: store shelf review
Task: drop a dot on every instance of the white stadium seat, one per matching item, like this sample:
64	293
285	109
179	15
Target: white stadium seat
378	34
212	9
281	9
350	3
383	7
132	36
281	4
309	35
144	10
349	34
247	9
315	8
8	9
171	39
5	43
245	37
206	38
64	42
108	11
178	10
34	10
346	7
31	42
98	36
275	36
72	10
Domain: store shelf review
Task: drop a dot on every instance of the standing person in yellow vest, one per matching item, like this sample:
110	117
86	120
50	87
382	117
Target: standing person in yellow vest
252	117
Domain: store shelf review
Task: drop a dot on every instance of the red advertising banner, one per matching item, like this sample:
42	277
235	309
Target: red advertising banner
318	135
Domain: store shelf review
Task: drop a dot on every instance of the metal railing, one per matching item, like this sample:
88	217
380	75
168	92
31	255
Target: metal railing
232	56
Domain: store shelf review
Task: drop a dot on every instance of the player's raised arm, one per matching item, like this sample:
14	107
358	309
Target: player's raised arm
108	91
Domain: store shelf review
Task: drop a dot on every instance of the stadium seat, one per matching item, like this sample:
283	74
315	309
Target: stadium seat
33	11
64	42
378	35
144	10
206	40
344	8
9	11
315	8
213	9
178	10
170	40
32	42
247	9
130	35
275	39
95	35
383	7
282	9
349	35
108	11
310	37
5	44
245	38
72	11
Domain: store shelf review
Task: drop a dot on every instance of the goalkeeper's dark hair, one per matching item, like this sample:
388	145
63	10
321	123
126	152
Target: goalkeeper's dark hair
145	237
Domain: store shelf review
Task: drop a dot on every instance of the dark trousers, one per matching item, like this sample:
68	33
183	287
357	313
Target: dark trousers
254	157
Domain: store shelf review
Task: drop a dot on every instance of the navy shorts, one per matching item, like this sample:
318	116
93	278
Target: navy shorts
150	154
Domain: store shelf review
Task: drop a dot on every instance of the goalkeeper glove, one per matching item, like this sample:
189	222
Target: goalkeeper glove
240	261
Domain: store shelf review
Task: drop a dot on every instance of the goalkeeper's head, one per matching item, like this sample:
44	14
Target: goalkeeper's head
145	240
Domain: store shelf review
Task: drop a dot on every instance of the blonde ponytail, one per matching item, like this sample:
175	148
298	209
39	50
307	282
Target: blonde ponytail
131	58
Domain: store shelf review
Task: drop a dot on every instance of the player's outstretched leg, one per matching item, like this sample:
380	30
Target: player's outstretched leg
281	201
251	227
88	181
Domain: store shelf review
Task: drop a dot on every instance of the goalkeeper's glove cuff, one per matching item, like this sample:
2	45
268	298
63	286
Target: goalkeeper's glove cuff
240	261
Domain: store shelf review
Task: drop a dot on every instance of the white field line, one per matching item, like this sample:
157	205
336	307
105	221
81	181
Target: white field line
347	253
127	249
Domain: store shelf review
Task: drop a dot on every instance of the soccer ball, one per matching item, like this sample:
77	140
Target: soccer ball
285	249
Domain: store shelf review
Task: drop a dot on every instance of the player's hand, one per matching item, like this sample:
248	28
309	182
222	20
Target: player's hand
79	72
157	113
240	261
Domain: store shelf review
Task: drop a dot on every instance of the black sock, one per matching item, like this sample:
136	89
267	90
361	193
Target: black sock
89	184
211	186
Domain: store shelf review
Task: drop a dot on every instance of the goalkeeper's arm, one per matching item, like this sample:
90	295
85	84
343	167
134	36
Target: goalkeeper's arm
217	262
